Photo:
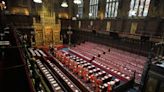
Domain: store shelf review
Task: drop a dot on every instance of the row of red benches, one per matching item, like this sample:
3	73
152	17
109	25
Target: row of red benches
124	62
99	79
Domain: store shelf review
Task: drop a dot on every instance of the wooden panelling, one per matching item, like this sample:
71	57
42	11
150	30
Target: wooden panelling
95	23
85	25
151	27
119	25
127	26
140	27
18	20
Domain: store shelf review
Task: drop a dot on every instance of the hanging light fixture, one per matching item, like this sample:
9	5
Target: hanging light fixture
37	1
2	5
64	4
77	1
3	2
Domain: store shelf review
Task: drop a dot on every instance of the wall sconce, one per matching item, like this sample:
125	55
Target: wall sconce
90	14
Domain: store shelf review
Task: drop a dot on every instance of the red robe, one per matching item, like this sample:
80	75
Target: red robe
80	69
98	83
109	88
85	74
75	69
93	79
71	64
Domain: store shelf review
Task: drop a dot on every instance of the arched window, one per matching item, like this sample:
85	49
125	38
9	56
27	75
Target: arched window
111	8
139	8
93	8
80	10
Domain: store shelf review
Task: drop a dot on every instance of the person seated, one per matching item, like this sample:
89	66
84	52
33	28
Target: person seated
117	81
51	49
109	50
93	58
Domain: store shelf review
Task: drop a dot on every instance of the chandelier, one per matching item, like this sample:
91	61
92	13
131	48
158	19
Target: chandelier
77	1
37	1
64	4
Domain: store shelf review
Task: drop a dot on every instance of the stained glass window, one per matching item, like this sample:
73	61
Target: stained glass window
139	8
80	10
111	8
93	9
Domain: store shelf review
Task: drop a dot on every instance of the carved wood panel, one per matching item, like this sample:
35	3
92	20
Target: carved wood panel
48	35
39	37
